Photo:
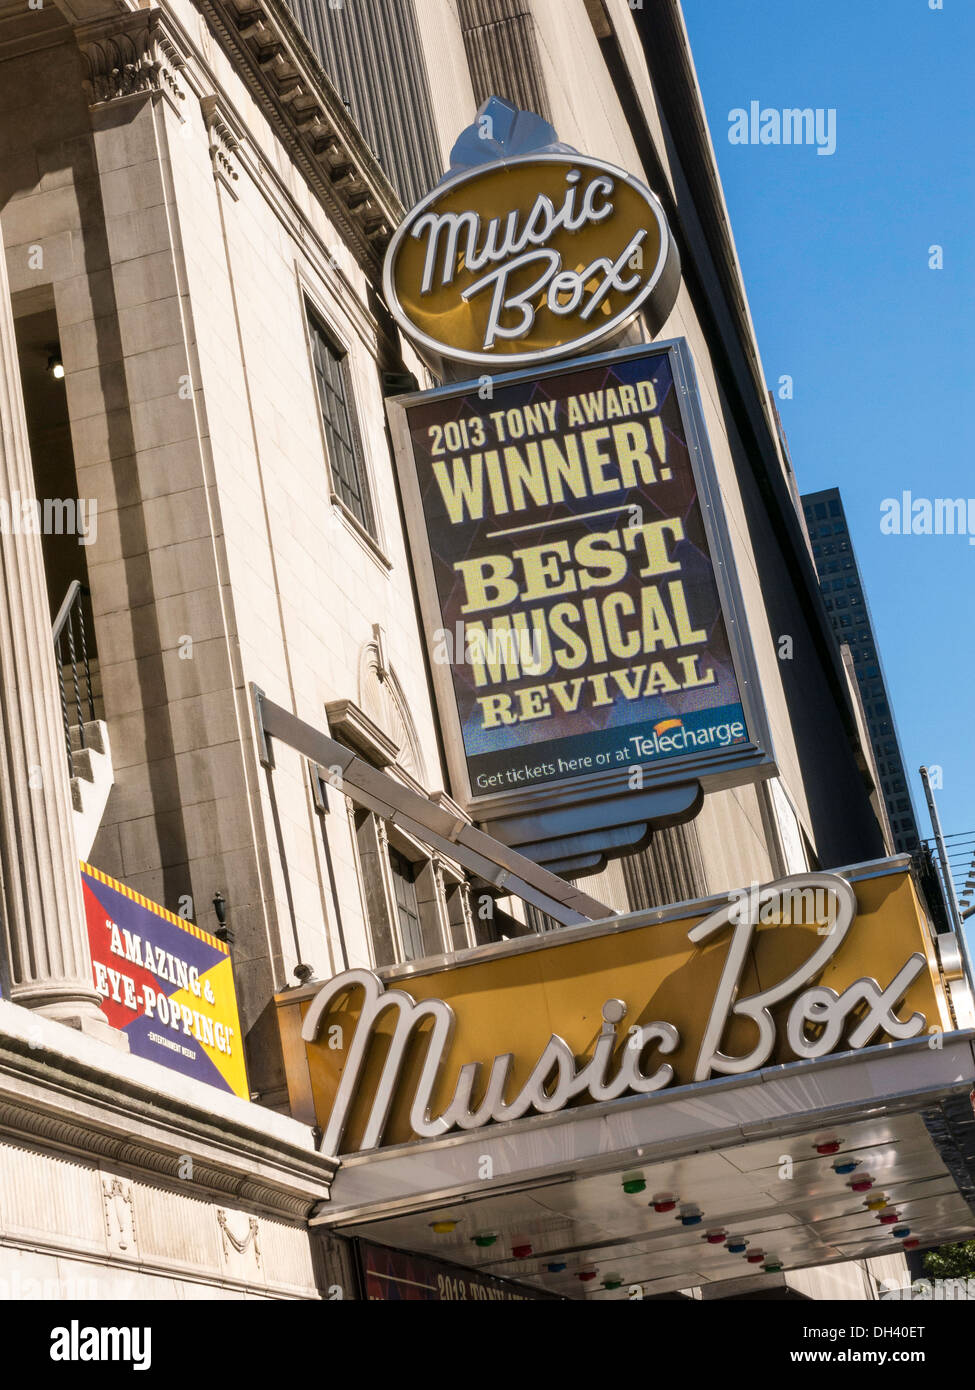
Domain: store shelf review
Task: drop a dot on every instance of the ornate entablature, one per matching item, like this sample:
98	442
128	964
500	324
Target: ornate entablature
307	113
145	51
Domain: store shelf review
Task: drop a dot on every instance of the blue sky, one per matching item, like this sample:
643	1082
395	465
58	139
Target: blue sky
881	348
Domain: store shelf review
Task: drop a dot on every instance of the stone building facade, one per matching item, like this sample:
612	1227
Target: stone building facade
195	199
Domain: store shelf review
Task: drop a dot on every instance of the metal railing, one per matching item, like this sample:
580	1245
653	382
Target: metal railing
68	632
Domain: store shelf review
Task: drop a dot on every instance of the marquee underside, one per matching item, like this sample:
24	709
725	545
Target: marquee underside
743	1149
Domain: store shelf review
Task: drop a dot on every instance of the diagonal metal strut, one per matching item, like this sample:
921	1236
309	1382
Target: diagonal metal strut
496	863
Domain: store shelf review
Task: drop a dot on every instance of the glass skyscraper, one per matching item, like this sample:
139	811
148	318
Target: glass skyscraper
849	612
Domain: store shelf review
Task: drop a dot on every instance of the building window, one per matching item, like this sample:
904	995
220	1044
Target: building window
338	421
415	906
407	907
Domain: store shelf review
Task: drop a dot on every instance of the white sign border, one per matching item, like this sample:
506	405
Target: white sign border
666	270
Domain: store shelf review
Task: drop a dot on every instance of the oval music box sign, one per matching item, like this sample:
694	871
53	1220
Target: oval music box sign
530	259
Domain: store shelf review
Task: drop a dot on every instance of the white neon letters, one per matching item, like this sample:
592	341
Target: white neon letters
816	1024
819	1006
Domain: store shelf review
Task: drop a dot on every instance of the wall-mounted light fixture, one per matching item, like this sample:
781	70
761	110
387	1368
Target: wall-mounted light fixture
54	364
223	932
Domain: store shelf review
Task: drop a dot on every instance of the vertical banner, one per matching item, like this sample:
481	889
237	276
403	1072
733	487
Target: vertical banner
166	983
580	606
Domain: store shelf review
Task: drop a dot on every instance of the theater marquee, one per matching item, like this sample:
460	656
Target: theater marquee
812	965
580	605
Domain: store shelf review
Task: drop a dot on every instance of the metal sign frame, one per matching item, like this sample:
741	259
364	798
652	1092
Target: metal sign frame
715	769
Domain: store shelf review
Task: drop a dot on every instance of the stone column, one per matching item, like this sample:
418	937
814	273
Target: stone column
41	908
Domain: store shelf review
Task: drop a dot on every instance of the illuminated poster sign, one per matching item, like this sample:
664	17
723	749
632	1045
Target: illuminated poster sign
792	971
390	1275
580	606
166	983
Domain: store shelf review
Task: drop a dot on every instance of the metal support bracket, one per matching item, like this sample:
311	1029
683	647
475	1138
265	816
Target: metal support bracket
481	854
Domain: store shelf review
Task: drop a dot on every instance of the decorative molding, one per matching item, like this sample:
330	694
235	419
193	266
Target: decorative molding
132	54
354	727
384	703
225	141
231	1241
17	1120
448	873
32	1108
119	1205
275	61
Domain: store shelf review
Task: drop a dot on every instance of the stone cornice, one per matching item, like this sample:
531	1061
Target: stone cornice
66	1104
306	113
